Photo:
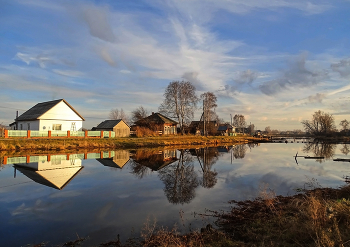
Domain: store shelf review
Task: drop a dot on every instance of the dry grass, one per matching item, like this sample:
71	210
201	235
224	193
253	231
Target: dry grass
156	141
320	217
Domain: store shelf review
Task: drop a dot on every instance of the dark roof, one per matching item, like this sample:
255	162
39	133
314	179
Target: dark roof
39	109
109	124
159	118
224	127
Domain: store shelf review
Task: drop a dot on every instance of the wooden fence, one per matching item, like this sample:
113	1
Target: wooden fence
57	134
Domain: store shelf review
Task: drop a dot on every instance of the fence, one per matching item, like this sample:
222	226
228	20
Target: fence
58	134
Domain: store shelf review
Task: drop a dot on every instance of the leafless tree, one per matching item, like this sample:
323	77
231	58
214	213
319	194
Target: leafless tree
138	114
180	102
209	105
268	129
239	121
2	130
344	124
321	123
118	114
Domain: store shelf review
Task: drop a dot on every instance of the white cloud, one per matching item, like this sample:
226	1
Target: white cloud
69	73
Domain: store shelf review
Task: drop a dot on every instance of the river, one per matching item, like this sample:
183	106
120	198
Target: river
54	198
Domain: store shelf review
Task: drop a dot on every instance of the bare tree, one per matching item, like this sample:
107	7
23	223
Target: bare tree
344	124
180	102
118	114
209	105
321	123
138	114
268	129
239	121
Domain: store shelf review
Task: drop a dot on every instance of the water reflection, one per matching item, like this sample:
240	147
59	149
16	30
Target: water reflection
106	197
345	149
56	172
119	160
207	157
318	149
145	161
180	179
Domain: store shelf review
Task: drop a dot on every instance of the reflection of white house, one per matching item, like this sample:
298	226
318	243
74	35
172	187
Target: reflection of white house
56	173
51	115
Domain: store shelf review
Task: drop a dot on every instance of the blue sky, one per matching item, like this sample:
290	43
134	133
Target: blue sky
275	62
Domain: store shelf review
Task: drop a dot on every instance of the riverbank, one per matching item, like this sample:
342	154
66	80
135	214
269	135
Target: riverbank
317	217
19	144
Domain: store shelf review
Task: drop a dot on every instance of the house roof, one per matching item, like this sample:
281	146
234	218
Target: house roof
109	124
39	109
54	178
159	118
224	127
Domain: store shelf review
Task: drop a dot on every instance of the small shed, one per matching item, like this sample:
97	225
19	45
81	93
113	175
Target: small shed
120	128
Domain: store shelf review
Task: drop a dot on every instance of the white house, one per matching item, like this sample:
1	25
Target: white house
50	115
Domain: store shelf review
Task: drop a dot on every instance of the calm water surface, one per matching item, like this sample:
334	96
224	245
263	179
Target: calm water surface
99	195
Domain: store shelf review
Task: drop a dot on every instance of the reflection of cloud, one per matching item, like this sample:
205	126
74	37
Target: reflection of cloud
319	171
63	194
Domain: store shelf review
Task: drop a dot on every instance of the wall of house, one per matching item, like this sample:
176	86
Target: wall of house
33	125
61	111
169	130
65	124
121	130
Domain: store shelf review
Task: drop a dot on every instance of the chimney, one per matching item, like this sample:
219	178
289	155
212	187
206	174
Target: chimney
16	114
152	113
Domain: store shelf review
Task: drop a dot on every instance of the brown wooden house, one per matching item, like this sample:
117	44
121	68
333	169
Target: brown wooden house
158	122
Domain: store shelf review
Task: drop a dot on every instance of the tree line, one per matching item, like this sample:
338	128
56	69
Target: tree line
322	124
180	103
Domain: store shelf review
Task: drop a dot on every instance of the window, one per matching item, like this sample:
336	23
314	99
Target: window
28	125
57	127
21	126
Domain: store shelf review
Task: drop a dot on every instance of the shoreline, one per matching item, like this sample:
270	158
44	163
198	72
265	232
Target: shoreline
21	144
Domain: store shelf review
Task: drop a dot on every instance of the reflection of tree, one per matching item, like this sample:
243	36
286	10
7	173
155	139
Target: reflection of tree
326	150
207	157
180	179
345	149
138	170
239	151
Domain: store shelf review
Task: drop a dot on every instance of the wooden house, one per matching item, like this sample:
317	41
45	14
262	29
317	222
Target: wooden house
225	129
50	115
158	122
120	128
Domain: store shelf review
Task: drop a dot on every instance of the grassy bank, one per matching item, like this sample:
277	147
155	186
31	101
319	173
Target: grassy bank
75	143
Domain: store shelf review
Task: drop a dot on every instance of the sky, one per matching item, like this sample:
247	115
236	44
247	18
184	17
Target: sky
275	62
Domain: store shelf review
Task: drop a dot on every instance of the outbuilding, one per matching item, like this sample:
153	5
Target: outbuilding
120	128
